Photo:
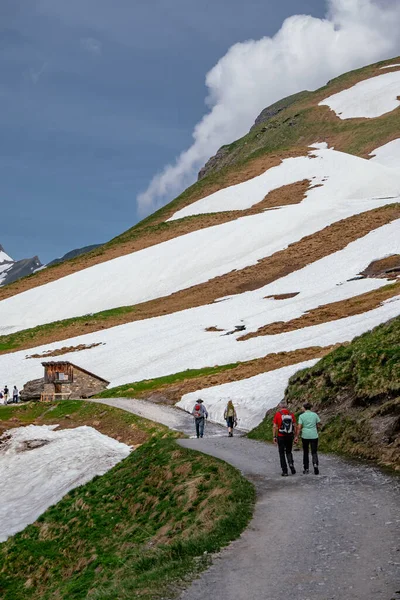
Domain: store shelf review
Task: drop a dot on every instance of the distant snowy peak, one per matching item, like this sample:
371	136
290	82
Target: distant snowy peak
4	258
11	270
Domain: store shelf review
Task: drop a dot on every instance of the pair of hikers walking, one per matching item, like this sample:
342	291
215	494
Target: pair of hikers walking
200	415
286	431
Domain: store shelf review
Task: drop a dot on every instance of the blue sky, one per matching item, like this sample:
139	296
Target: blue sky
95	97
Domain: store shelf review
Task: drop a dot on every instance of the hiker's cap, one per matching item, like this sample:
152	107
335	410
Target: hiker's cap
199	400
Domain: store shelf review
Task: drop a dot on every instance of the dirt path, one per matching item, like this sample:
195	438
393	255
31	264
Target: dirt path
174	418
329	537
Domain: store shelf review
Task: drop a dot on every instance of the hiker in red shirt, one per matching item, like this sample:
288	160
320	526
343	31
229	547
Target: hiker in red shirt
283	431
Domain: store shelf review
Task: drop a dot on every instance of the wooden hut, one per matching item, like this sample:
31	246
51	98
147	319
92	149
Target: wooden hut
63	379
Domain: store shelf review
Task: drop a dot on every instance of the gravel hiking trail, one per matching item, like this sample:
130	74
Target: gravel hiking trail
334	536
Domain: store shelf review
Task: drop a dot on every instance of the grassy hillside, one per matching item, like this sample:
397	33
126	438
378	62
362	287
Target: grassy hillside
356	390
139	531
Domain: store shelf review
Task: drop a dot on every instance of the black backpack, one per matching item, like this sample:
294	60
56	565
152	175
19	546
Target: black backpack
287	424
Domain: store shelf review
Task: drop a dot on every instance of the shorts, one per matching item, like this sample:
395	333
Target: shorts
230	421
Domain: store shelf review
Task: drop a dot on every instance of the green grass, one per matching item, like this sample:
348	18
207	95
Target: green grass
130	428
136	532
17	340
369	367
131	390
356	390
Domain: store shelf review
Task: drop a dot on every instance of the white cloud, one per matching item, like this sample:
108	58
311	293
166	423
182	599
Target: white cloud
92	45
304	54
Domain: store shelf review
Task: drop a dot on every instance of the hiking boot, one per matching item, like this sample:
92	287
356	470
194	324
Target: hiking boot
316	470
284	474
293	470
306	471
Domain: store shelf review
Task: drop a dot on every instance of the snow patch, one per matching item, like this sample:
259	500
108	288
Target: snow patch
367	99
39	465
388	155
342	178
252	397
390	66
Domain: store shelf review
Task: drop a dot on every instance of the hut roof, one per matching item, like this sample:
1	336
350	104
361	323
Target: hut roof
55	363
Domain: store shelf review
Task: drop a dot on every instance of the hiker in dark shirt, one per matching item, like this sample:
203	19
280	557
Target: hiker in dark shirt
283	431
200	415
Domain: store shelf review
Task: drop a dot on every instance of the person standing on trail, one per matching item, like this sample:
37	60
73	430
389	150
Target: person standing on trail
200	415
230	417
15	395
6	394
283	431
309	422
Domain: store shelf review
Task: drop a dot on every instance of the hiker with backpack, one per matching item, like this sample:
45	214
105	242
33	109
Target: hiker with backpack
283	431
200	415
309	423
230	417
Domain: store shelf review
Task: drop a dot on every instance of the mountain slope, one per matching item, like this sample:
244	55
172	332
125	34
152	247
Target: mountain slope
252	155
290	248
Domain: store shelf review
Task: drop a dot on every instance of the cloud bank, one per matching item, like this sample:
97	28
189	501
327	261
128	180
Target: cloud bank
304	54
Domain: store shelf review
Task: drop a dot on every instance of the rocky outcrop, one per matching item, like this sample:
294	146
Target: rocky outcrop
273	110
32	390
227	155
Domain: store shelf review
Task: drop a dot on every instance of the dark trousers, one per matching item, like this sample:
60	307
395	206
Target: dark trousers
314	452
199	426
285	445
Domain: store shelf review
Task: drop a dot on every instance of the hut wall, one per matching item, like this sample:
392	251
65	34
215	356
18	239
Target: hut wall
84	385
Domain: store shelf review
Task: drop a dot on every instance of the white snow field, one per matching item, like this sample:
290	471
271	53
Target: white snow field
39	465
387	155
343	177
172	343
367	99
252	397
349	186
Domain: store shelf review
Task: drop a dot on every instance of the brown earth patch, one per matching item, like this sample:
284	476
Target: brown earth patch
172	393
282	296
65	350
296	256
388	267
330	312
213	328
